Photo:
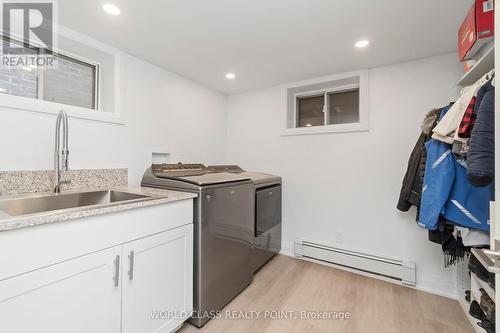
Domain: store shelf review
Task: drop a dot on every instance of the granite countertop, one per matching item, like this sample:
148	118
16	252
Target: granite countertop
157	196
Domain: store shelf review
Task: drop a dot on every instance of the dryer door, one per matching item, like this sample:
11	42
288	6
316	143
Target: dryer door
267	209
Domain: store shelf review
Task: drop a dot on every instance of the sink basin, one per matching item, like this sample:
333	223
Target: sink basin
25	206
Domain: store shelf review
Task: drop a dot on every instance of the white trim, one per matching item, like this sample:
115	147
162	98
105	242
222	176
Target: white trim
312	93
117	115
363	85
431	290
327	90
337	128
35	105
326	78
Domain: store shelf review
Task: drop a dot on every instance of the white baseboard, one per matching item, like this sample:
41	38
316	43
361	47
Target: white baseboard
448	294
287	249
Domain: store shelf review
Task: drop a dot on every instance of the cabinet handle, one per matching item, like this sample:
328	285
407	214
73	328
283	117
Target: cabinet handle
131	270
117	270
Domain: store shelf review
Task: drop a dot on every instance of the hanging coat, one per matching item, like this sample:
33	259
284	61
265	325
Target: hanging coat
468	205
411	189
447	192
446	130
481	156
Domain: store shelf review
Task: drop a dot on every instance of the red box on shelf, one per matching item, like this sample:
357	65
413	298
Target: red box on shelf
477	29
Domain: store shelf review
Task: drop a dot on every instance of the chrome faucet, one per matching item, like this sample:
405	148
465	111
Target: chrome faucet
64	155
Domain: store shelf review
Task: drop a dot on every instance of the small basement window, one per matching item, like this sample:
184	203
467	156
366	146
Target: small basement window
337	105
310	110
69	81
343	107
328	108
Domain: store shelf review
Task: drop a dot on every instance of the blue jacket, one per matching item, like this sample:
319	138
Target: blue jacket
447	191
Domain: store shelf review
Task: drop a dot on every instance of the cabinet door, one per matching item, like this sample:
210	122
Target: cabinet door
158	281
78	295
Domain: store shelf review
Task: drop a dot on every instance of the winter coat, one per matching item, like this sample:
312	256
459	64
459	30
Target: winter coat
481	156
448	193
411	189
410	192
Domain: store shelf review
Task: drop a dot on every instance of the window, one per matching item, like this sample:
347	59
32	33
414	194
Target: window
337	104
71	81
68	81
310	111
342	107
84	80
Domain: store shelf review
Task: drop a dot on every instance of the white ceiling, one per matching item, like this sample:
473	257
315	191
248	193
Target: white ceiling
268	42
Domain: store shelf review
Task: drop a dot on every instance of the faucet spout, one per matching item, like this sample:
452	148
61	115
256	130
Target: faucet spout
61	157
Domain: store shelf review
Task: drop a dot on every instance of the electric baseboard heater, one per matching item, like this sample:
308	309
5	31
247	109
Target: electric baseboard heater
401	270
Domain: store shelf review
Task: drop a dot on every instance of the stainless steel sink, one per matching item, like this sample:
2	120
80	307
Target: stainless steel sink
25	206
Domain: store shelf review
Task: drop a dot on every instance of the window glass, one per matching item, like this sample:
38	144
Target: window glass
310	111
343	107
19	81
70	82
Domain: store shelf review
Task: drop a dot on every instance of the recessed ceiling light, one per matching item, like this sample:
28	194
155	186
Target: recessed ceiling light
362	43
2	89
230	76
111	9
308	125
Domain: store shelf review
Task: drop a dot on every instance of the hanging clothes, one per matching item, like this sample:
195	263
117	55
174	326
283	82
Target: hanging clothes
451	243
468	121
473	237
481	155
467	205
448	193
450	172
411	189
446	130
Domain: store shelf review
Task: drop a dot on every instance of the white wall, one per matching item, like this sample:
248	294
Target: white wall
162	110
333	182
350	182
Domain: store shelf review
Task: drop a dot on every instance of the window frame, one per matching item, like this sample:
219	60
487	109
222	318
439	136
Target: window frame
296	106
114	115
326	106
40	72
72	57
327	84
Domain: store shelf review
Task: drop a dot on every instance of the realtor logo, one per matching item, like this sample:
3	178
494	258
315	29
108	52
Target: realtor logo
30	23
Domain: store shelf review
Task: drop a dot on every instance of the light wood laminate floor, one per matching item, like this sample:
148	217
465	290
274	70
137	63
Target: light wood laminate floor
289	284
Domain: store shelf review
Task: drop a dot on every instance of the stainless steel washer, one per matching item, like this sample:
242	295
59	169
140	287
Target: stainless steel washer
267	194
223	231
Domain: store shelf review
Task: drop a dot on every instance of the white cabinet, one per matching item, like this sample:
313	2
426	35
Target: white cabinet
81	276
157	281
78	295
